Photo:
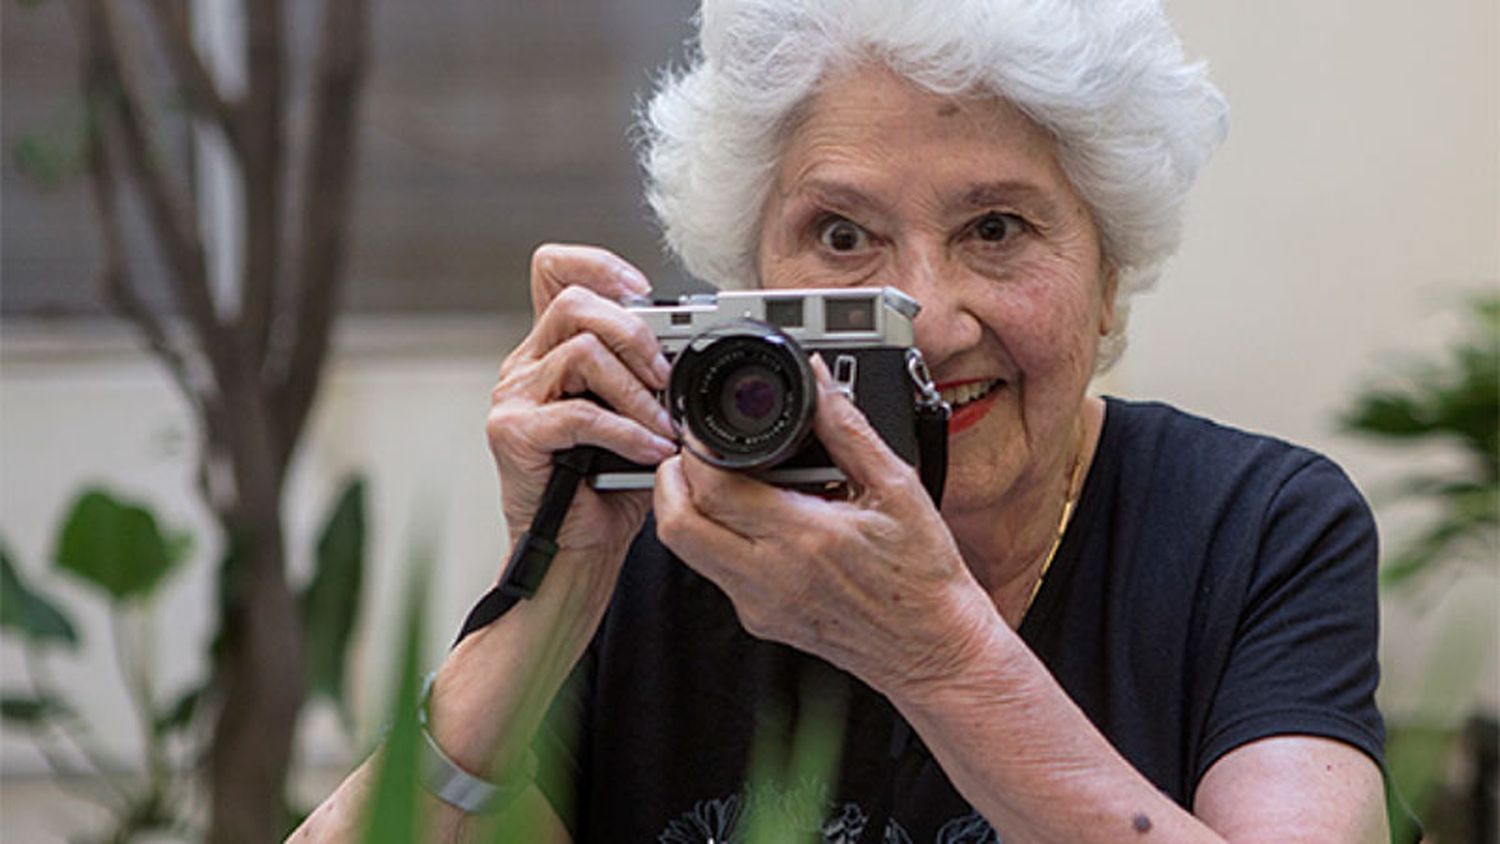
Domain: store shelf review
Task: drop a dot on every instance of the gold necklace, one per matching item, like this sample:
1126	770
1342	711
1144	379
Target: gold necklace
1070	497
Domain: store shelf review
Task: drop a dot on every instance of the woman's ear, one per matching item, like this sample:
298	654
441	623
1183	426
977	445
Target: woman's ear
1111	288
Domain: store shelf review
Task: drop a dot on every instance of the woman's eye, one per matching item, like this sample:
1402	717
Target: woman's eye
842	235
996	227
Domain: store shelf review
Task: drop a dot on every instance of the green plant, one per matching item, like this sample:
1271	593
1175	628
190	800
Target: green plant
787	793
1454	399
118	549
250	360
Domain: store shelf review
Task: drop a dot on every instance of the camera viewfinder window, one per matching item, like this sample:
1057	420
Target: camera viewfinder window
682	318
784	313
849	314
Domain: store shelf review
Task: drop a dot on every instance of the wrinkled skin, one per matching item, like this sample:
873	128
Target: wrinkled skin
582	341
962	205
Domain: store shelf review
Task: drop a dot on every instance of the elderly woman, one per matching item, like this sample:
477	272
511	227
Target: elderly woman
1124	623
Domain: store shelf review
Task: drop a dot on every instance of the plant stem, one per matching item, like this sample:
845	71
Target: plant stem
40	681
136	671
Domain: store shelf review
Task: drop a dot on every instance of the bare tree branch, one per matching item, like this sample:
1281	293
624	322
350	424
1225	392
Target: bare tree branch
166	202
264	116
115	275
327	179
197	83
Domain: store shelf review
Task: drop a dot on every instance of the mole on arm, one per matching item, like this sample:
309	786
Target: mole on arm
1142	824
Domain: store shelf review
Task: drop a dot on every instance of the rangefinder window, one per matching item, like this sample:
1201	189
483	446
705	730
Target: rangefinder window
849	315
784	313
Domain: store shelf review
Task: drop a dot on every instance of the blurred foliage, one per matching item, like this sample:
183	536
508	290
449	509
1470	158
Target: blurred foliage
330	604
395	809
1454	399
787	792
50	156
28	612
788	795
118	549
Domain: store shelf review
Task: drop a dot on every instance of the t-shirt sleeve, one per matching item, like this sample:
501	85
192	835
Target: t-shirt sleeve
1303	658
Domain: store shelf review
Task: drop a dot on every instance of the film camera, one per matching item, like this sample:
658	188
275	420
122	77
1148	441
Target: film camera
743	386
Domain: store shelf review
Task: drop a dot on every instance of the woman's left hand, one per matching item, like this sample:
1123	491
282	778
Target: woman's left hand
874	584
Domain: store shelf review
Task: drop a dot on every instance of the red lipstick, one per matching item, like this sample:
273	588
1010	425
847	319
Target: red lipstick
968	415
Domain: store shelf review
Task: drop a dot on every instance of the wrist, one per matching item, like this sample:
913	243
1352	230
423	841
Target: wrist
461	787
490	694
975	642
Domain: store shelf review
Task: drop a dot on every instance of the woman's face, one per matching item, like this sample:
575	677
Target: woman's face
962	205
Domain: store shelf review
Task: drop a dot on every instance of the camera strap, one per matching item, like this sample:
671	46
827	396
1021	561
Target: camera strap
932	428
932	451
535	548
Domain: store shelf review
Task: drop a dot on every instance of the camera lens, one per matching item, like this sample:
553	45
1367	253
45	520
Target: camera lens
752	399
746	393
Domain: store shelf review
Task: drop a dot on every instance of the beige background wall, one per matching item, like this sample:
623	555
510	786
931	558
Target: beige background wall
1357	200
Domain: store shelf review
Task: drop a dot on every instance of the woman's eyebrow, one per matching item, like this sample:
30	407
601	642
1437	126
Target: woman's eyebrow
837	195
1009	192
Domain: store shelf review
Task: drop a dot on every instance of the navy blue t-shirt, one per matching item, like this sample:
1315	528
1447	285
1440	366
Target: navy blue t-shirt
1214	587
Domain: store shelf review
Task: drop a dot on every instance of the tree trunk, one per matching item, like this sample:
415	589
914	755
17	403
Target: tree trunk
252	393
260	690
261	670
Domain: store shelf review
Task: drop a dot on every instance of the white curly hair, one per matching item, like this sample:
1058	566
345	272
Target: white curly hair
1132	119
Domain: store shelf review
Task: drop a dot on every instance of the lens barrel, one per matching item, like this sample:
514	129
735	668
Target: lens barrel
746	392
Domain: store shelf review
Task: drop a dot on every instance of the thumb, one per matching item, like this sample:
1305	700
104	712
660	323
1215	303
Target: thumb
851	442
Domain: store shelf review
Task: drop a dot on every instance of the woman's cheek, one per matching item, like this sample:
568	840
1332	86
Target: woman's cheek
1048	336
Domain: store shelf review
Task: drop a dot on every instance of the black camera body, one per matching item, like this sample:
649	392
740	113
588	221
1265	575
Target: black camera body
742	384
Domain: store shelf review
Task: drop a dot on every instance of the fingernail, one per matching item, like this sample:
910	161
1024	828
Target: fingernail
661	369
632	278
664	421
820	370
664	448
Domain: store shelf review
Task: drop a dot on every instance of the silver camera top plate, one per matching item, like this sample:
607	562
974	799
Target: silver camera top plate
840	317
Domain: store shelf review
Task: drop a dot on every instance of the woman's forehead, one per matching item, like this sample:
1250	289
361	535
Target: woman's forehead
869	126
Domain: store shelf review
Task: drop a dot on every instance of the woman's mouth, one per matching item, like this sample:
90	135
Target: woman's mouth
970	401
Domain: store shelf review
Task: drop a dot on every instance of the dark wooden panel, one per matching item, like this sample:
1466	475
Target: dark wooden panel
489	126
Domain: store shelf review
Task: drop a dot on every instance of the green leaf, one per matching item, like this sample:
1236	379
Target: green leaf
330	604
393	813
30	711
179	715
27	611
790	784
113	545
1455	397
180	545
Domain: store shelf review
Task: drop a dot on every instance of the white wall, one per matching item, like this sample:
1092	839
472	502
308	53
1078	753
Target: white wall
404	404
1357	200
1354	206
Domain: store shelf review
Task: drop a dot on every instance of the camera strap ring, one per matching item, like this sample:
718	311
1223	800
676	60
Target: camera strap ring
932	428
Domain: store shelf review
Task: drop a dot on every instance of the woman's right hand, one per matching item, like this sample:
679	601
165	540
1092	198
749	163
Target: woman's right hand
582	340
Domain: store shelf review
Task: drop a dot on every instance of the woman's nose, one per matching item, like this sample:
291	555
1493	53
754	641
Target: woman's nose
945	327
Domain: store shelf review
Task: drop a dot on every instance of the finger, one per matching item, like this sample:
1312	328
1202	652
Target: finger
556	266
705	545
524	431
584	364
578	310
851	442
745	504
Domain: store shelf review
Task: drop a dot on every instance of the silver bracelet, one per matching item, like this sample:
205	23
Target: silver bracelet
453	785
